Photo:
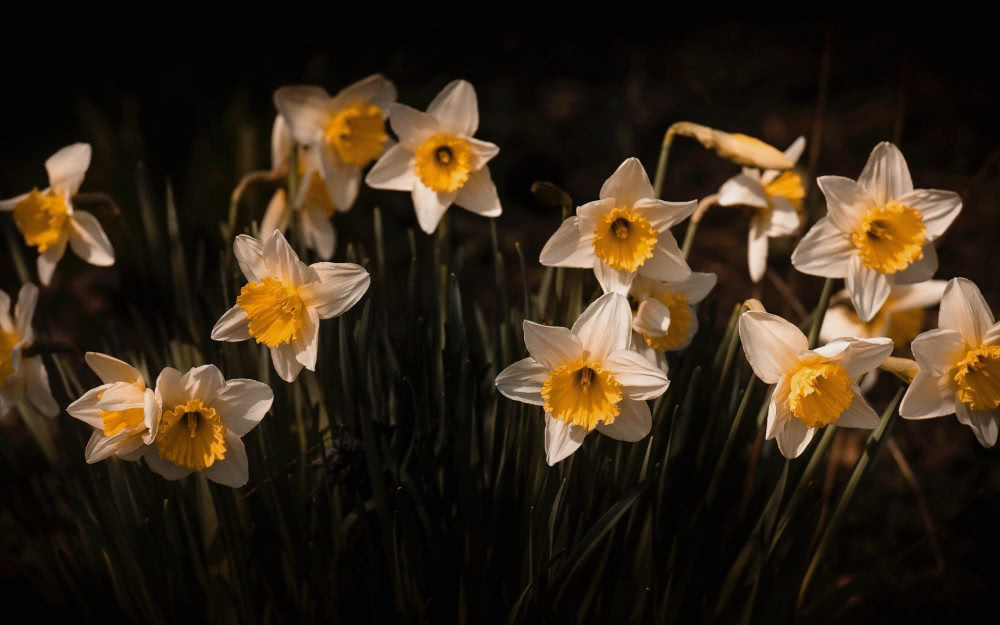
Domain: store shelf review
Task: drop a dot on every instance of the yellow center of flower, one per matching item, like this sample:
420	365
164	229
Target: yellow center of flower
789	186
192	436
317	193
680	322
819	394
890	238
357	134
275	310
624	239
444	162
8	341
977	375
582	393
43	219
117	420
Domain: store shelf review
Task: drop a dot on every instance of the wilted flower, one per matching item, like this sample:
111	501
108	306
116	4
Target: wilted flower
204	417
284	300
586	378
959	364
20	375
777	197
738	148
123	412
813	387
879	230
437	160
47	221
347	131
665	319
625	233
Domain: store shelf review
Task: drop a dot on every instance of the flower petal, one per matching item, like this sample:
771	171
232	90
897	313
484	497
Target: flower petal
100	447
121	396
568	247
24	310
604	327
317	231
522	381
202	382
886	176
840	322
551	346
929	395
233	326
242	403
778	411
742	190
86	409
413	127
282	144
67	167
697	287
771	344
858	414
964	309
783	219
639	379
938	208
983	424
868	288
921	270
169	390
663	215
824	251
860	355
456	108
591	212
613	280
992	336
343	180
306	110
395	170
482	152
10	203
249	254
794	437
430	206
561	439
234	469
937	350
36	380
920	295
285	363
757	249
668	263
479	195
340	287
88	240
846	201
282	262
164	468
375	89
632	424
48	260
628	184
652	317
277	214
306	341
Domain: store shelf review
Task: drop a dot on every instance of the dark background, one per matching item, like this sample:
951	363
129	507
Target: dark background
565	106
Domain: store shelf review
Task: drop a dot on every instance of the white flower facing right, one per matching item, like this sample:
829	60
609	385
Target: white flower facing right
959	364
586	378
812	387
22	376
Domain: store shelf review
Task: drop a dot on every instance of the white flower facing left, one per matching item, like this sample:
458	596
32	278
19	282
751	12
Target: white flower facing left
586	378
959	364
47	221
812	387
437	159
22	376
879	231
284	299
203	420
624	233
665	319
123	412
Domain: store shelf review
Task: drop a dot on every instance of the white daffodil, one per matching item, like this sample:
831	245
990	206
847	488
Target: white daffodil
312	204
624	233
123	412
204	418
47	221
901	317
959	364
777	197
587	378
22	376
878	231
437	160
665	319
813	387
284	300
347	131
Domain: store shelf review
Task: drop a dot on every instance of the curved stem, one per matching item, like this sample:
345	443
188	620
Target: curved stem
661	165
692	228
820	312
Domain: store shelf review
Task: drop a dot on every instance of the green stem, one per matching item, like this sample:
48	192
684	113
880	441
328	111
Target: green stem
820	312
661	165
689	238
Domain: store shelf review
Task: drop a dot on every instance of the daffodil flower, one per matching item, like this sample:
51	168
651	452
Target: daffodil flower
624	233
586	378
879	230
312	204
203	420
437	159
123	412
22	376
346	130
47	221
959	364
284	299
812	387
901	318
777	197
665	319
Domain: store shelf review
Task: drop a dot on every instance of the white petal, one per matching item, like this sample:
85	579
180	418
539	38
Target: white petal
479	195
306	342
742	190
936	351
413	127
36	380
824	251
928	396
691	331
920	295
632	423
10	203
668	262
613	280
652	317
604	327
778	411
277	215
561	439
430	206
983	424
551	346
285	363
794	151
456	108
249	254
695	288
169	390
306	110
24	310
100	447
992	336
522	381
395	170
757	249
88	240
783	219
628	184
282	261
868	288
568	247
794	437
232	326
343	180
340	287
151	413
938	208
233	470
202	382
591	212
121	396
164	468
482	152
282	144
839	322
317	231
859	414
242	403
6	323
846	201
771	344
964	309
85	409
48	260
886	176
67	167
861	355
662	215
921	270
638	378
375	89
